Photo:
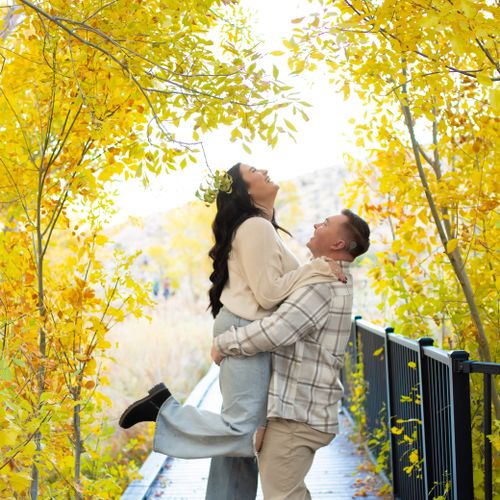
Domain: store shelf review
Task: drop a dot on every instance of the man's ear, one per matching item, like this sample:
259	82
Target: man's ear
338	245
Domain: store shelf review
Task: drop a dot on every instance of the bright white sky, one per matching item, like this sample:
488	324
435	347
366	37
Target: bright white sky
321	142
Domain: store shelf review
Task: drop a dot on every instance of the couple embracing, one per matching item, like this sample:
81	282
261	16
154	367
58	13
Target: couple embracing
280	333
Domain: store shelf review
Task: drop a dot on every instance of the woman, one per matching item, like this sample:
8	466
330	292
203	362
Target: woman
253	271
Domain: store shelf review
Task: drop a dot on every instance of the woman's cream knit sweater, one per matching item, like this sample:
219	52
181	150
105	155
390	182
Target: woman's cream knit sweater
263	271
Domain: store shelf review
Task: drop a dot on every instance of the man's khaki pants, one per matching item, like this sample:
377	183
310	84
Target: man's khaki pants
286	457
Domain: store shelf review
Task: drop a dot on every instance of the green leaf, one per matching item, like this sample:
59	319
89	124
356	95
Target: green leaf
290	125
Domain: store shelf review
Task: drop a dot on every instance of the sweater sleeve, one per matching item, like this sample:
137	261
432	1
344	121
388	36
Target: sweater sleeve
297	317
260	254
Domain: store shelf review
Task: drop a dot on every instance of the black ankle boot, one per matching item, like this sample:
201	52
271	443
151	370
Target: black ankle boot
145	409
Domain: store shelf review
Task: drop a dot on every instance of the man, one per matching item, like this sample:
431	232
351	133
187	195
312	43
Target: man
308	335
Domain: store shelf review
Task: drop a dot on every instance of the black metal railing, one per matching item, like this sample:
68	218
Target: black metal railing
487	370
420	395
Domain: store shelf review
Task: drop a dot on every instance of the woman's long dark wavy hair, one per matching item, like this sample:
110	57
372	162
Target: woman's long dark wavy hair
232	210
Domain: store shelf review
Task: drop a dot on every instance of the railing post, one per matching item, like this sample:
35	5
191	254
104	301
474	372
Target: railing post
423	382
355	338
392	441
488	477
462	480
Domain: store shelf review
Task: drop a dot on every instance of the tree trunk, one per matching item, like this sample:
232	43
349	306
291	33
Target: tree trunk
40	376
78	449
455	259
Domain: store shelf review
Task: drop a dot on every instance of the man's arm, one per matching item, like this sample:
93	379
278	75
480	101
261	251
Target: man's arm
293	320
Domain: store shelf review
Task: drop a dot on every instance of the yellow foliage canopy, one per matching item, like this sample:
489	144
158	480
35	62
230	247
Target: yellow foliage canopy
91	90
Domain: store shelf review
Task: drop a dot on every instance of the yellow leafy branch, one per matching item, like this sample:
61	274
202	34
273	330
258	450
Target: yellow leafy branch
488	55
120	46
121	64
386	34
20	447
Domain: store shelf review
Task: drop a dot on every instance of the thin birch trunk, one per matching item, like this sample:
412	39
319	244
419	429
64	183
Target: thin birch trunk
454	257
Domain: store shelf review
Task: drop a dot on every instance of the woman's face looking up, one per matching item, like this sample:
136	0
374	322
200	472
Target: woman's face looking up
261	188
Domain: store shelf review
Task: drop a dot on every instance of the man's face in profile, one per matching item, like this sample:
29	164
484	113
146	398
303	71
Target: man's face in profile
328	236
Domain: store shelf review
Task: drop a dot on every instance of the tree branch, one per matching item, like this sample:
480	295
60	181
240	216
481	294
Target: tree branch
122	65
386	34
28	147
488	55
27	440
57	212
22	198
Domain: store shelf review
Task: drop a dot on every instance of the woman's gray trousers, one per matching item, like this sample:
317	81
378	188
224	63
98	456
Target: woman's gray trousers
188	432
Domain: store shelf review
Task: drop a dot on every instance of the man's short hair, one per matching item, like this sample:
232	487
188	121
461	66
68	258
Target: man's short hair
358	233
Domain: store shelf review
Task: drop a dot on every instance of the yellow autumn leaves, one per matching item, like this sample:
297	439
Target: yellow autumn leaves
429	76
90	92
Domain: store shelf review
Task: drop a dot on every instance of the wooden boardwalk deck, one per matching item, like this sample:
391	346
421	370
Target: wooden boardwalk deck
338	471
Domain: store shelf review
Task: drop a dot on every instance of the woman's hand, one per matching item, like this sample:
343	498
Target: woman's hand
336	270
216	355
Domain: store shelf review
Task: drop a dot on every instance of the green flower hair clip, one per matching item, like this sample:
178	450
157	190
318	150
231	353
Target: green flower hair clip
215	182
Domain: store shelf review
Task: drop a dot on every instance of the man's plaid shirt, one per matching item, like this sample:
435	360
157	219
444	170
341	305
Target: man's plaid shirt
308	335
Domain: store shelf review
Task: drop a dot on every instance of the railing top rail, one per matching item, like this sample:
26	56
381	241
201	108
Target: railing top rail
479	367
367	327
445	357
457	359
396	338
370	327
